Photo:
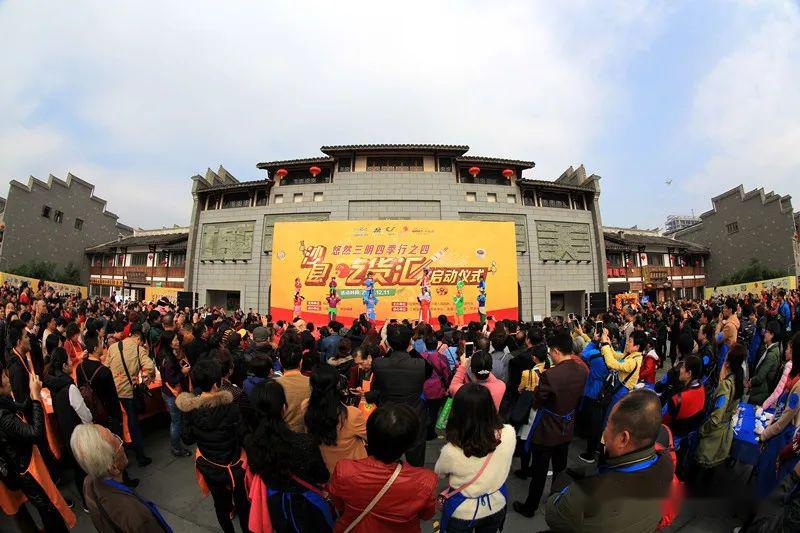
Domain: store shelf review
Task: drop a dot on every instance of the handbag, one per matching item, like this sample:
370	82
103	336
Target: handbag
141	392
522	407
376	499
612	385
447	493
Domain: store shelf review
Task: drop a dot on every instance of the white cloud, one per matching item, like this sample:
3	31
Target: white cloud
747	108
143	96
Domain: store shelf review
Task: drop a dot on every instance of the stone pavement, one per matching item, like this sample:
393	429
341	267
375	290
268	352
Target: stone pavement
171	484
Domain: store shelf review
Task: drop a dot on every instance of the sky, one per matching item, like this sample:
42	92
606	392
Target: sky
137	97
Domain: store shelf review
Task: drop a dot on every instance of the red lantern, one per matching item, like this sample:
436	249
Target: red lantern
281	173
508	173
474	171
121	258
150	257
315	170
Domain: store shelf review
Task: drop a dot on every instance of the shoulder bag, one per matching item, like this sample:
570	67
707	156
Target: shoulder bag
140	391
448	493
376	499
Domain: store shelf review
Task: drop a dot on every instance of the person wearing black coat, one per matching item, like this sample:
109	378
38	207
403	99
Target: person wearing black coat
17	439
213	422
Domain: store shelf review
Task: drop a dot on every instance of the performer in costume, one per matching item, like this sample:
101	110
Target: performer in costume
332	285
297	285
370	285
298	304
370	300
458	300
426	278
333	300
424	300
482	283
482	307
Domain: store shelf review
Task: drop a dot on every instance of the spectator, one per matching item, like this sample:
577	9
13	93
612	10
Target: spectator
686	408
174	372
435	387
295	386
260	368
556	398
592	406
214	423
112	505
408	491
478	369
767	368
398	378
476	459
287	467
128	359
633	479
329	345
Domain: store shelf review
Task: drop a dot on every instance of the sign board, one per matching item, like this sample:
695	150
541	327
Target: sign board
135	276
754	287
396	252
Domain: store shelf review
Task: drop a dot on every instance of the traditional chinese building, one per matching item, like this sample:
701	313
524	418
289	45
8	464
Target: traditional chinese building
143	266
558	230
658	267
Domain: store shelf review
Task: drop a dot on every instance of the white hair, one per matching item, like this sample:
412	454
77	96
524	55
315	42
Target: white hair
92	451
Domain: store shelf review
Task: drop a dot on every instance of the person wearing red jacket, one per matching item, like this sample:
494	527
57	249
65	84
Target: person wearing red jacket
686	408
410	494
649	363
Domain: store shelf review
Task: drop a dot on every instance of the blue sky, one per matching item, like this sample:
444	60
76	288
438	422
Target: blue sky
136	99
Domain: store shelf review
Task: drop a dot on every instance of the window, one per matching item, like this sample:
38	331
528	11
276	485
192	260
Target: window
472	196
261	197
578	202
732	228
317	196
139	259
445	164
615	259
396	164
178	259
278	198
302	177
487	176
236	199
345	165
78	224
528	198
213	200
491	197
298	197
58	217
554	199
46	211
655	259
511	198
109	260
162	259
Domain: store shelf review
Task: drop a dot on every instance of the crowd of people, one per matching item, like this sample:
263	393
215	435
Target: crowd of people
294	427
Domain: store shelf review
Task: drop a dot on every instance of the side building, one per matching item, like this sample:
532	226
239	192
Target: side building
658	267
144	266
559	240
54	221
742	226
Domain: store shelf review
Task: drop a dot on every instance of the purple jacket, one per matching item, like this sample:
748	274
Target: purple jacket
435	387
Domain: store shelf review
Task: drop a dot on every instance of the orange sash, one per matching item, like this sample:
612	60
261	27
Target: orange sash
201	481
10	501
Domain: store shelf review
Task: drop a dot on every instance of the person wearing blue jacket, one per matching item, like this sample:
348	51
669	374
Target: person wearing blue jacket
592	408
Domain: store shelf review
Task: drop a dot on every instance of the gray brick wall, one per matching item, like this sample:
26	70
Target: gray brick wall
416	195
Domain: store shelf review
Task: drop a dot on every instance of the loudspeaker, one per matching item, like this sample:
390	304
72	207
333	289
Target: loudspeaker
186	299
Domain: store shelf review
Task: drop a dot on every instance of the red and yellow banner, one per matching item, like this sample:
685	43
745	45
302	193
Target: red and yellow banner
309	257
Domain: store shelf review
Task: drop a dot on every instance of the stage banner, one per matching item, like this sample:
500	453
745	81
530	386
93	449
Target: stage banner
64	288
753	287
312	260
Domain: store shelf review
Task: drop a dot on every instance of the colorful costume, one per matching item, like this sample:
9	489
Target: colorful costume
458	299
482	307
332	285
370	291
297	285
333	300
426	279
424	300
370	301
298	304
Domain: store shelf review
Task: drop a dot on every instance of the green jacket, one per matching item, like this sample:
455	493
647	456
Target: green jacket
765	375
716	433
622	502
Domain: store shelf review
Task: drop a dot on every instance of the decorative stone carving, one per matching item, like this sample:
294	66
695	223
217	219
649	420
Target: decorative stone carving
227	241
563	241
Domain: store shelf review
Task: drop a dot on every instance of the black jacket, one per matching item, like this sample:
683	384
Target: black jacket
214	423
398	378
18	376
102	385
16	436
520	361
66	416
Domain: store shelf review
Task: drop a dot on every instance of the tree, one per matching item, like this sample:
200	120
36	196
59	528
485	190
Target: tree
752	272
49	271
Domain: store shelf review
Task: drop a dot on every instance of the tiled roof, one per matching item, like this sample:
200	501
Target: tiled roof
238	185
459	148
291	162
495	161
165	239
613	241
554	184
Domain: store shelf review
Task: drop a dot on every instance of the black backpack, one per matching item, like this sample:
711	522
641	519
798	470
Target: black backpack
613	384
96	407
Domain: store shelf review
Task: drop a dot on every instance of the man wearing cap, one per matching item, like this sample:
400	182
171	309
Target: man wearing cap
261	345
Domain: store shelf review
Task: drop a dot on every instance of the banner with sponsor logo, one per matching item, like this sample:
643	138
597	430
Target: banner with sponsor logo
754	287
14	279
310	259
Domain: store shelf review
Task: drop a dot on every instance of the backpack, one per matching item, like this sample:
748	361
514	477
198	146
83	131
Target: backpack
671	505
613	384
96	407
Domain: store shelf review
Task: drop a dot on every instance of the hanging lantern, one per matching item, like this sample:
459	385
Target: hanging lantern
281	173
121	258
508	173
474	171
150	257
315	170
